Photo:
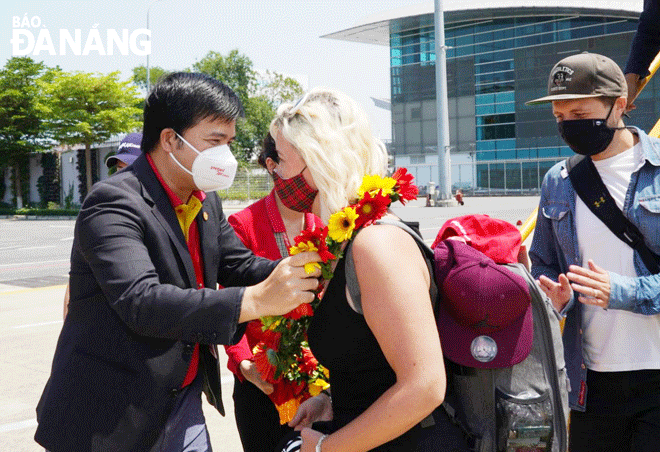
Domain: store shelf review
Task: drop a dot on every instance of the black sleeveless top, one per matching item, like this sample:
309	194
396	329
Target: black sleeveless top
342	341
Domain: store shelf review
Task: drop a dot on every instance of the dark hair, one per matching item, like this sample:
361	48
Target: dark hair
268	150
607	100
181	100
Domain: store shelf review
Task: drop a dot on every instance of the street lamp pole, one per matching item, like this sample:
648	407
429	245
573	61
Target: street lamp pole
148	73
444	171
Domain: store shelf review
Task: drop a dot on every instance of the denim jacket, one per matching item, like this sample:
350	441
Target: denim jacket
554	248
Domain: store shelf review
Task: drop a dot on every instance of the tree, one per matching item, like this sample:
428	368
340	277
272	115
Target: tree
234	70
279	89
140	75
260	96
88	108
251	131
22	130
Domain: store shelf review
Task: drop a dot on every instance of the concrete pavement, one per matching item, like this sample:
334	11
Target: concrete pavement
29	327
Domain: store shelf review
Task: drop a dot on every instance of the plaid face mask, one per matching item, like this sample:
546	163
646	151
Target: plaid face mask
295	192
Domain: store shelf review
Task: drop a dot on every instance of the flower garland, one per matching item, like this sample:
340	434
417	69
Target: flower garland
283	357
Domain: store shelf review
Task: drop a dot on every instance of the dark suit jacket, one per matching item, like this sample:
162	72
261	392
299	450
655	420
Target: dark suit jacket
135	315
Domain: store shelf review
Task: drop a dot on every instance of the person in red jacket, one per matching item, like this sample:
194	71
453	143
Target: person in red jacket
268	228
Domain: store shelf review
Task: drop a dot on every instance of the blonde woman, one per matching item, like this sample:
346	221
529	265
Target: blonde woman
385	361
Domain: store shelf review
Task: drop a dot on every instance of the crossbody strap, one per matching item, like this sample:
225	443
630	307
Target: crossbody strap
352	284
590	188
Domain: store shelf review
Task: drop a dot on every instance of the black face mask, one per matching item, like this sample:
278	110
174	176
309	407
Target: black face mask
587	136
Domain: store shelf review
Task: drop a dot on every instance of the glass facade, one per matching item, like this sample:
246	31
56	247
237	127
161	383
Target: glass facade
495	65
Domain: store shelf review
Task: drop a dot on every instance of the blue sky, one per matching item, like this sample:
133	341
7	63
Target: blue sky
283	36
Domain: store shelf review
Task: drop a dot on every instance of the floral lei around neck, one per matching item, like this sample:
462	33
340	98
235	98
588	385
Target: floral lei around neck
283	357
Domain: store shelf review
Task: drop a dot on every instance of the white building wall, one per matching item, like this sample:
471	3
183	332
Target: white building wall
69	176
36	171
68	173
8	191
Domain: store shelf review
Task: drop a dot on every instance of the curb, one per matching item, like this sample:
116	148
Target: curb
37	217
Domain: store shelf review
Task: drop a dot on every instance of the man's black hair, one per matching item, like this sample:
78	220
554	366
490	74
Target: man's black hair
181	100
268	150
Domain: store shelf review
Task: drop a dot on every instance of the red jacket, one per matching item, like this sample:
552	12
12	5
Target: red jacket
256	226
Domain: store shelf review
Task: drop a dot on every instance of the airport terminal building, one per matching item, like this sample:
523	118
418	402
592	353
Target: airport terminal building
499	56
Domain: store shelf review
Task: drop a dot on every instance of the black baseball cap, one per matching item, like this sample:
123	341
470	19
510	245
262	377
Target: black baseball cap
584	75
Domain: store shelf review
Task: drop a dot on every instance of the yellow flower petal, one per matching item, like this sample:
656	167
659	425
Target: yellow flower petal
302	247
316	386
342	224
371	184
314	390
310	267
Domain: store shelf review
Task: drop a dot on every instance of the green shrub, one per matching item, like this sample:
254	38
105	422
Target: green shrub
45	212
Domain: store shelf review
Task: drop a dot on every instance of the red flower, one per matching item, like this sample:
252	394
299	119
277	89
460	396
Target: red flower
286	390
404	187
317	237
370	208
301	311
263	364
271	340
308	364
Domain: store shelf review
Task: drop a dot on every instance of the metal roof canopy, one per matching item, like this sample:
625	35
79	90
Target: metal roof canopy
375	29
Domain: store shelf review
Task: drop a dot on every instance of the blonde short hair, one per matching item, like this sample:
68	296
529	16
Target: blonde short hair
332	134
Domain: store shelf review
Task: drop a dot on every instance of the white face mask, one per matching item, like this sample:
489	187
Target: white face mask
213	169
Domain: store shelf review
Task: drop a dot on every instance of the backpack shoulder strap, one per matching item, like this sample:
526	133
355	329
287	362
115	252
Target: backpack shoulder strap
548	332
355	300
590	188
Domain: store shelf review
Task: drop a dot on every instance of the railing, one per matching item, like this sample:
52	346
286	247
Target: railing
490	177
249	184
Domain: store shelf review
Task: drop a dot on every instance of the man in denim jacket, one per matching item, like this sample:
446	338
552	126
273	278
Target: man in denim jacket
610	299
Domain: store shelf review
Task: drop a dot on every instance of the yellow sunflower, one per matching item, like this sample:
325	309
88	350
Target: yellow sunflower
371	184
342	224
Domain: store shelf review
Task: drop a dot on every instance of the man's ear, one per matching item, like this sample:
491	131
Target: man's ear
620	105
168	140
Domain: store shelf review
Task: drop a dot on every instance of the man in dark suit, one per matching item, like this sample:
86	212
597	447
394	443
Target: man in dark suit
645	46
138	344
